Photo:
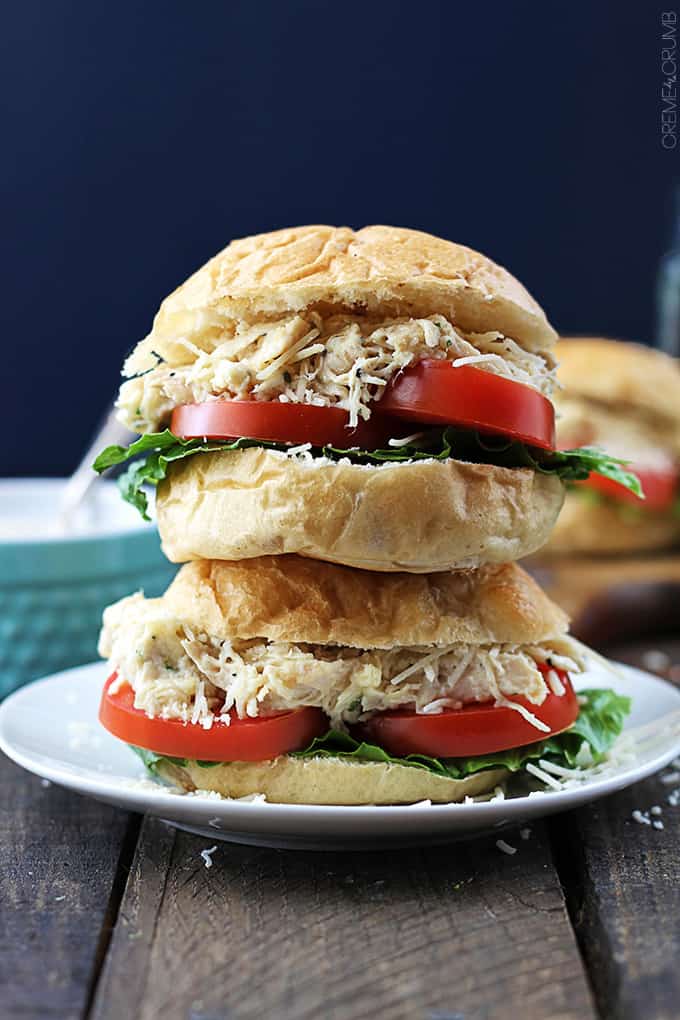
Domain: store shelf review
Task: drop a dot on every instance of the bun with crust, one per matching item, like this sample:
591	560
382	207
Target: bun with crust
631	376
420	516
288	598
624	398
322	780
601	528
378	270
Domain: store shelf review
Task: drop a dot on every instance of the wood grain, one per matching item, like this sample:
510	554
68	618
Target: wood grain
457	933
462	931
623	883
125	975
624	891
59	855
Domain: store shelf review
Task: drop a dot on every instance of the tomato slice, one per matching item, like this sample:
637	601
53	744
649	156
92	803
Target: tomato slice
659	486
282	423
242	740
479	728
435	393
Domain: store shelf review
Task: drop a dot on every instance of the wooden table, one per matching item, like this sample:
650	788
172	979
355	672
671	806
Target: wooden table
111	916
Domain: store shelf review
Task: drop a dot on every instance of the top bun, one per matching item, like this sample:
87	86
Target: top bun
626	374
289	598
389	271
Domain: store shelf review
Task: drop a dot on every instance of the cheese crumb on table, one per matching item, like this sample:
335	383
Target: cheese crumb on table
207	856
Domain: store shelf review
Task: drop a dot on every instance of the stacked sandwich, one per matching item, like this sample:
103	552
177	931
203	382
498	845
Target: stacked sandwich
626	398
353	441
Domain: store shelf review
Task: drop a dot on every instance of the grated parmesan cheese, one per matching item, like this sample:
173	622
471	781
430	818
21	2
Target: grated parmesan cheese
545	777
558	770
177	673
337	361
556	685
207	856
406	441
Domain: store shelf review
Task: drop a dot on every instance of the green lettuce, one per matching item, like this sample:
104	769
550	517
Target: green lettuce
151	759
599	723
163	448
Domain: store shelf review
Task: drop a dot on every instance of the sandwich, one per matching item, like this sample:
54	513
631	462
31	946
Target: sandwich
310	682
378	398
624	398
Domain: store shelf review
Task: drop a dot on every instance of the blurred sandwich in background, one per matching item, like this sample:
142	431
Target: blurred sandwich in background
625	398
609	562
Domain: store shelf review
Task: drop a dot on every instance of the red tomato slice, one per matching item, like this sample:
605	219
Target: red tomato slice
435	393
283	423
480	728
242	740
660	487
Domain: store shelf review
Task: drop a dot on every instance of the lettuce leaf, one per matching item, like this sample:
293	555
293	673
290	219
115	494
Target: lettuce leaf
163	448
577	465
151	759
599	723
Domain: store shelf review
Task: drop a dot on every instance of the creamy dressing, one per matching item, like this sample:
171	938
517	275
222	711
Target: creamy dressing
29	512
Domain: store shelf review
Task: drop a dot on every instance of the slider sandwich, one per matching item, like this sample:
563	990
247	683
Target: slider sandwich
624	398
317	683
378	398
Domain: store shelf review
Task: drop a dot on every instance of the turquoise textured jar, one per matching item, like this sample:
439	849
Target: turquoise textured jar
54	587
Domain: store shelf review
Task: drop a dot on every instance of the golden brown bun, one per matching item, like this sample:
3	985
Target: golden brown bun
625	374
389	271
620	431
585	526
288	780
422	517
288	598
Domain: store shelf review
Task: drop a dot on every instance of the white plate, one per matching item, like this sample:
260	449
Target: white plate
50	727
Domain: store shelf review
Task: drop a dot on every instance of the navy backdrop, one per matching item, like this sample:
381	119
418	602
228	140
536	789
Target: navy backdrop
141	137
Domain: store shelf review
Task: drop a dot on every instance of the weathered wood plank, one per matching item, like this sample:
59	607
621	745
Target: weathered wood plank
463	930
623	883
125	973
59	855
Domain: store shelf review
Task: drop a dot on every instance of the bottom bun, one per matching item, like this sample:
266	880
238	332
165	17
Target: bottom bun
588	527
417	516
288	780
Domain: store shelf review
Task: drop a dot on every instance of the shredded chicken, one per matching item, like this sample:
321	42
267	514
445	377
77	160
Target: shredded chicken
177	673
339	361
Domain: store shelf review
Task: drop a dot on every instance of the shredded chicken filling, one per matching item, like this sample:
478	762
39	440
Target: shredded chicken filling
178	673
337	361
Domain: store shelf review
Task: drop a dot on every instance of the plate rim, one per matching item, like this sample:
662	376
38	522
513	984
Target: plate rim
150	800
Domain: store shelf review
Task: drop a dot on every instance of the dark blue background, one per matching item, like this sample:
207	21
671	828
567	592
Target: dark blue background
141	136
